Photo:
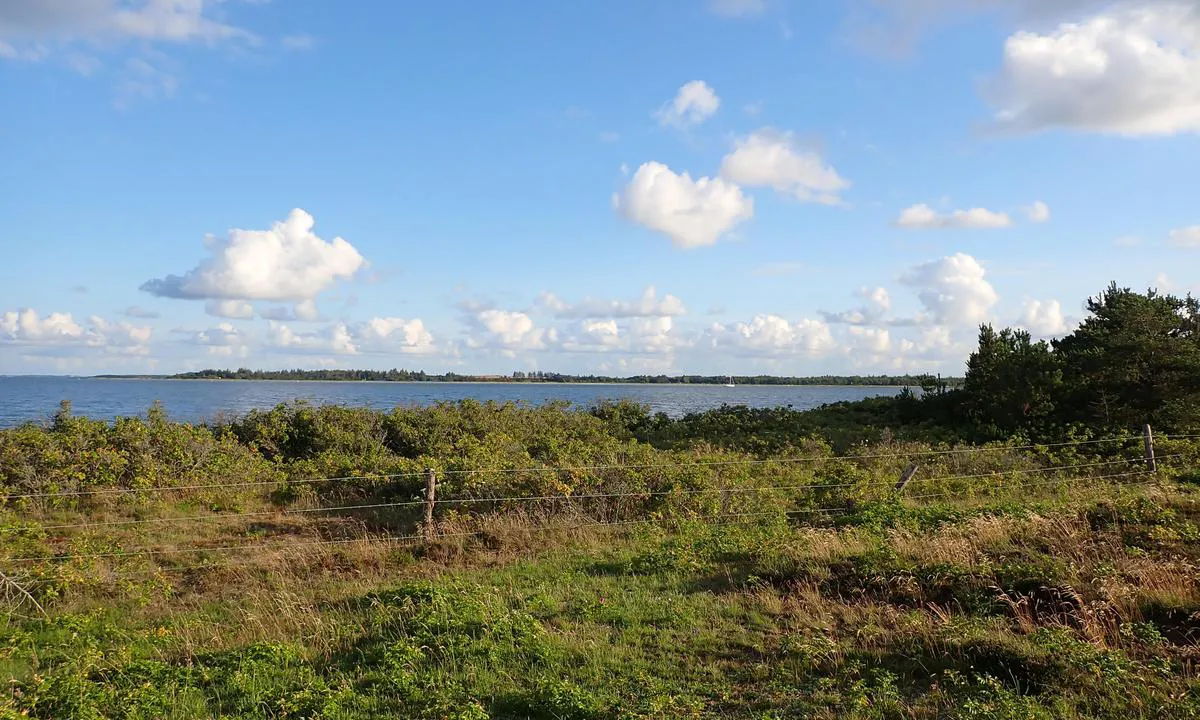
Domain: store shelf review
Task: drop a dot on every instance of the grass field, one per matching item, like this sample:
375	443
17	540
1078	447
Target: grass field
1079	603
1006	582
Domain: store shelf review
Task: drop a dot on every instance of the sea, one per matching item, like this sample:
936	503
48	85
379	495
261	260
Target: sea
36	398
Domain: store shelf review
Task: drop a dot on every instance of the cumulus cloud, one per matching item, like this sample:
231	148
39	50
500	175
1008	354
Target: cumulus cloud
231	309
391	334
770	158
224	340
895	25
378	335
648	305
287	262
878	303
954	290
1044	319
773	336
174	20
114	21
303	311
639	336
693	104
874	341
508	331
336	339
27	327
1187	237
693	213
1038	212
1132	69
923	217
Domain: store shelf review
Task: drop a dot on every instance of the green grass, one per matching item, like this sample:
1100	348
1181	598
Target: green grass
1056	607
1000	586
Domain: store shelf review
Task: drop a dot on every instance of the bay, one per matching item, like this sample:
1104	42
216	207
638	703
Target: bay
36	398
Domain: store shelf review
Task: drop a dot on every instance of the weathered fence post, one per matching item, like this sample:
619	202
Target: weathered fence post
906	476
724	493
430	500
1148	437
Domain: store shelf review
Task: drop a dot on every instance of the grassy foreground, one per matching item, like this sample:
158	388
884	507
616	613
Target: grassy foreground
997	587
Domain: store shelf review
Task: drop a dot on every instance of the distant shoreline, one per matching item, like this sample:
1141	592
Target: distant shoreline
478	382
406	377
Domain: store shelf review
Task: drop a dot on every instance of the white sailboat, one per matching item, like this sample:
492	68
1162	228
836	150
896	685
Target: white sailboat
730	383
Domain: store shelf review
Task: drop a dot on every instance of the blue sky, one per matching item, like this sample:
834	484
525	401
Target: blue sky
724	186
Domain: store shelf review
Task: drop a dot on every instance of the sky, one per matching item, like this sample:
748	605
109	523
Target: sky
619	187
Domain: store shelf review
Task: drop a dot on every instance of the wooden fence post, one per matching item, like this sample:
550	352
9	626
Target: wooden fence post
430	500
906	476
1148	436
724	493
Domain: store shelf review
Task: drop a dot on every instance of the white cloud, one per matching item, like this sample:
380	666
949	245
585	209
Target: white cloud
109	21
954	290
509	327
1044	319
508	331
772	335
232	309
287	262
336	338
769	158
737	8
876	349
224	340
639	336
898	24
1038	212
306	311
27	327
693	104
390	334
923	217
693	213
1187	237
648	305
1133	69
875	341
1127	241
878	303
303	311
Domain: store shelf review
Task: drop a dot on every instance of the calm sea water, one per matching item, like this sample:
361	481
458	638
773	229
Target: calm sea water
36	398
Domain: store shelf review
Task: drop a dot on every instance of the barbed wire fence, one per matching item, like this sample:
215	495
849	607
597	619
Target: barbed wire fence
1135	470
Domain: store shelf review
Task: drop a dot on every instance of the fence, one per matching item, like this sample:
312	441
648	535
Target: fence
1128	470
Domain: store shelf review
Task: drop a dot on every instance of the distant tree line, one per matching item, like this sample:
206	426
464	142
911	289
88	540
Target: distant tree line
396	375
